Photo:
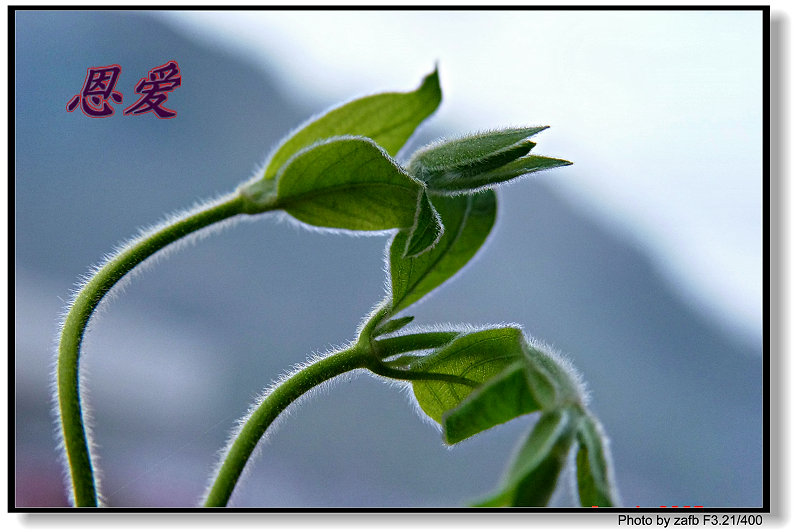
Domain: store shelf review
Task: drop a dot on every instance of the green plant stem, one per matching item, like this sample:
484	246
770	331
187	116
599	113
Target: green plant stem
271	407
362	355
69	402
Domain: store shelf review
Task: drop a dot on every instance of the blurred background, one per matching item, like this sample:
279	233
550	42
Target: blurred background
641	262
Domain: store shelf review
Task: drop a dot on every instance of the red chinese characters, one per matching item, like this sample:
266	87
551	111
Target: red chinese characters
99	92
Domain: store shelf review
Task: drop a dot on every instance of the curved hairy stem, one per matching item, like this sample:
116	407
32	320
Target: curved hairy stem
270	408
84	488
361	355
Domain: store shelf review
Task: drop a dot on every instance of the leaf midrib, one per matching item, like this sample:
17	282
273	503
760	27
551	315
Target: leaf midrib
294	198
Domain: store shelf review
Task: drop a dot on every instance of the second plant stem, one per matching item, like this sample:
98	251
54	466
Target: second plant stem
75	440
270	408
364	354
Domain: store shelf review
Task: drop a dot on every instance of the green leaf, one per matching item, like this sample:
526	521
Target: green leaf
595	487
347	183
502	398
388	118
456	165
521	388
427	228
467	221
477	356
392	326
533	474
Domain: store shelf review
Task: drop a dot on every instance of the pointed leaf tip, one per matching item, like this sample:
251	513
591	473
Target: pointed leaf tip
593	466
426	231
389	118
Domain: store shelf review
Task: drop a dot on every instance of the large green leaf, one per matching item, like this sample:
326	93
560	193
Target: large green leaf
595	486
467	221
457	165
388	118
475	357
533	474
532	383
347	183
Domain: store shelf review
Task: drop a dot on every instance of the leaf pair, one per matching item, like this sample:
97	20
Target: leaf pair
507	382
478	161
502	377
350	182
533	474
338	171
